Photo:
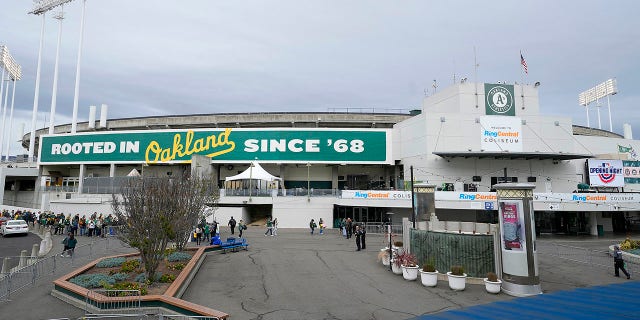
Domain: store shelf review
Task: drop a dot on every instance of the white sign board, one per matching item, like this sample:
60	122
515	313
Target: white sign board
501	133
376	195
605	173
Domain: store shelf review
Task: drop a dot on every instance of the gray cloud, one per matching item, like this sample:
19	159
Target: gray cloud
149	57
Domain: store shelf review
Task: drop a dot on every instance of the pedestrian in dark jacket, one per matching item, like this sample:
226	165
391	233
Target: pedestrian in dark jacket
232	225
618	262
363	236
358	235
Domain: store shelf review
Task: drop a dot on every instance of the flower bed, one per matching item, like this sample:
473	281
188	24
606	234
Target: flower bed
122	273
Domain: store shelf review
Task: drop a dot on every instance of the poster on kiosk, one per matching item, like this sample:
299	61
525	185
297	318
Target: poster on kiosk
512	226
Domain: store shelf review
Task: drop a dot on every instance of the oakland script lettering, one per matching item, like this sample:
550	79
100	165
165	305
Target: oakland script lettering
219	144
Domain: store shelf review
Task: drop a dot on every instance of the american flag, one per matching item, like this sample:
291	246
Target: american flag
524	64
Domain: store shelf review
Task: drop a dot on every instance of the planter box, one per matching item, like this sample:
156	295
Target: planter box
429	279
410	273
396	268
492	287
457	283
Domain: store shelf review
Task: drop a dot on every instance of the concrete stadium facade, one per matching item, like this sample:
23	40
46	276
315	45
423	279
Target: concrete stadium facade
465	139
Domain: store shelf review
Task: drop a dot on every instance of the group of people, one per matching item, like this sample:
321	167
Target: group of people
205	231
348	229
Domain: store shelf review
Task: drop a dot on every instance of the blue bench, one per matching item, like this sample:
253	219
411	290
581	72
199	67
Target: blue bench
234	245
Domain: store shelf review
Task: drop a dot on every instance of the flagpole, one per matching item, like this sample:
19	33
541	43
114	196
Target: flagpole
522	80
475	74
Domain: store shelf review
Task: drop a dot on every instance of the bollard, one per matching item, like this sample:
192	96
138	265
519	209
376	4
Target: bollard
5	265
43	248
23	259
35	250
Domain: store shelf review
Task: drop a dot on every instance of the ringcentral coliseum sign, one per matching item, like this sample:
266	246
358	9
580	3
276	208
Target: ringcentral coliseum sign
221	145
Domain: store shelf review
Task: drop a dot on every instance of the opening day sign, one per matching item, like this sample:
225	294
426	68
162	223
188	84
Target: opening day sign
221	145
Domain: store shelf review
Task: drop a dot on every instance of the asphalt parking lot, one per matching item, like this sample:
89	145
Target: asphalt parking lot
299	276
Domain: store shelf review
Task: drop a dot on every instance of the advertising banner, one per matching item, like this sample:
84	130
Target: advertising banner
499	99
512	225
376	195
605	173
631	172
223	145
501	133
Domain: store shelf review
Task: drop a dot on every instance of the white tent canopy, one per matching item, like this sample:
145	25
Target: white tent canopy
134	173
254	172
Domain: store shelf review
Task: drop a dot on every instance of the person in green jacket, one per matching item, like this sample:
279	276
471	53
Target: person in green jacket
269	227
69	245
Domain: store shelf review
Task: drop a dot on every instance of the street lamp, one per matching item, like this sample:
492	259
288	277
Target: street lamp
389	214
250	179
308	183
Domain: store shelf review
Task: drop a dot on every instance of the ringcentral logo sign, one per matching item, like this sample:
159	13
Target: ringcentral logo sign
499	99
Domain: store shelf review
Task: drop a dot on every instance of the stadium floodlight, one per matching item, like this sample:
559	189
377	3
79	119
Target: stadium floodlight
7	61
43	6
605	89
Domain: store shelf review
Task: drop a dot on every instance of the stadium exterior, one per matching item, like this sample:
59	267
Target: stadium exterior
465	139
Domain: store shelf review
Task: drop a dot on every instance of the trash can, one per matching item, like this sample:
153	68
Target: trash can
600	230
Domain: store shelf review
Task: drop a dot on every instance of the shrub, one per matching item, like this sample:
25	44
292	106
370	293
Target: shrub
492	277
457	270
130	265
110	262
428	267
96	280
167	278
177	266
141	278
179	256
129	286
120	276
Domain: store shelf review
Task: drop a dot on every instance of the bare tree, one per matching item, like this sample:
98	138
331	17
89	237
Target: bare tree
154	211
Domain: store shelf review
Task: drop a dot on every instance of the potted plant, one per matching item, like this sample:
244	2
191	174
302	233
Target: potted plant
396	265
491	283
384	256
457	278
408	265
429	274
397	245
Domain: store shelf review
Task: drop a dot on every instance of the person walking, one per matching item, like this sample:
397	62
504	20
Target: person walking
312	225
206	232
269	227
241	227
69	245
232	225
349	228
198	235
275	227
618	262
321	226
363	236
358	235
213	229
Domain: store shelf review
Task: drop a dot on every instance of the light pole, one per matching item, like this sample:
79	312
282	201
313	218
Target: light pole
76	94
40	8
250	179
389	214
7	63
308	183
59	16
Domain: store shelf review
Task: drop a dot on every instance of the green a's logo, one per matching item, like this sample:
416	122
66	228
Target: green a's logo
499	99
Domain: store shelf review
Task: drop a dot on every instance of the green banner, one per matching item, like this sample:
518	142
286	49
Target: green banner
223	145
499	99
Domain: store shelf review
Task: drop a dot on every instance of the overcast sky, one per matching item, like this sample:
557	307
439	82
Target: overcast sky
160	57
